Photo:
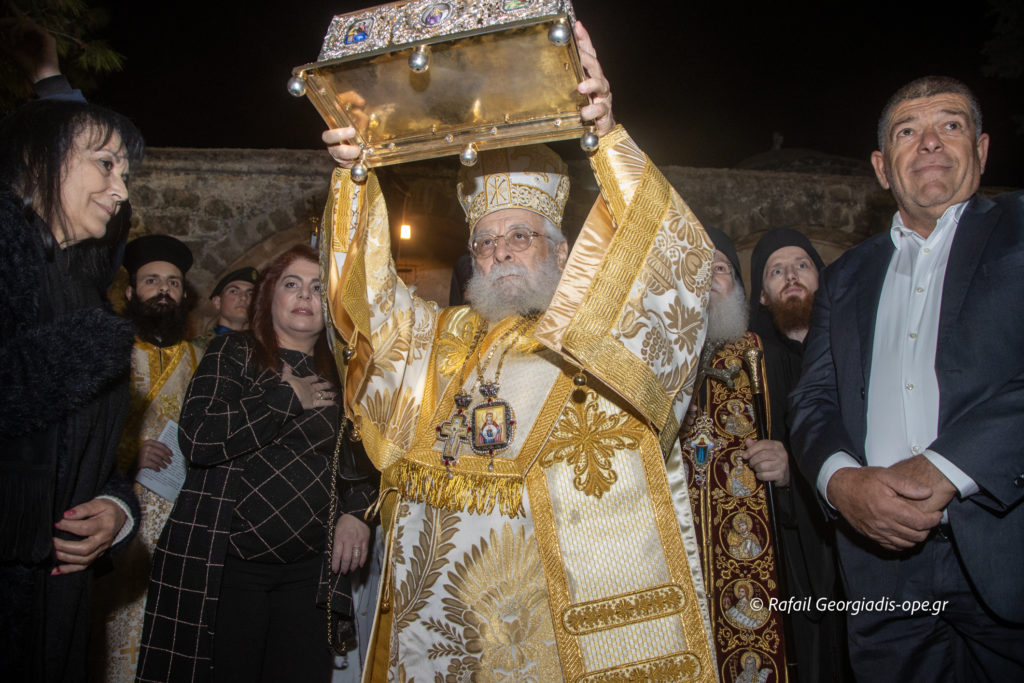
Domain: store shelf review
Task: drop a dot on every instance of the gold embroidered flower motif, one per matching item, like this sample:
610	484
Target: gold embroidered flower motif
391	344
499	599
673	260
683	323
461	671
424	317
453	345
657	274
587	438
682	227
170	403
394	416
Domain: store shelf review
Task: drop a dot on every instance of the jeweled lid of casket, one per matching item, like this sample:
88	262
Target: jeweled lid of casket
428	78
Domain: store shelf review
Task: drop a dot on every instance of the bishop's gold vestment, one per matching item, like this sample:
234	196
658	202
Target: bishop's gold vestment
570	556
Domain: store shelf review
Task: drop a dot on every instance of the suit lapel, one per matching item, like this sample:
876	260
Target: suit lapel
871	277
972	233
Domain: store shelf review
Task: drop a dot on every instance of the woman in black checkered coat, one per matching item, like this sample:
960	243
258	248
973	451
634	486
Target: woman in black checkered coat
244	567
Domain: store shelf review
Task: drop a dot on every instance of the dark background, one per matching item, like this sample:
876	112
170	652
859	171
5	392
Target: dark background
696	84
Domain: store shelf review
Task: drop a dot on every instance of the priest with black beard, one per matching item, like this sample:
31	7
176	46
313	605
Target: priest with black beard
163	362
160	320
157	302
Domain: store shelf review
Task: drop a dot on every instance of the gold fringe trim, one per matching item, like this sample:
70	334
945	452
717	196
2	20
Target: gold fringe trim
460	491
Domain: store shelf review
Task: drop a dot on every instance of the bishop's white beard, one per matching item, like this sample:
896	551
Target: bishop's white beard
522	295
727	316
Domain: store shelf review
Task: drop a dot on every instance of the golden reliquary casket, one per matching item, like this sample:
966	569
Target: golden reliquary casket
428	78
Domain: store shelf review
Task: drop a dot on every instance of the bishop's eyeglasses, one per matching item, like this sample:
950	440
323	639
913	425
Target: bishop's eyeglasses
516	239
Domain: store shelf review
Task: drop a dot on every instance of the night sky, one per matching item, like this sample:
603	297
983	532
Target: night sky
697	84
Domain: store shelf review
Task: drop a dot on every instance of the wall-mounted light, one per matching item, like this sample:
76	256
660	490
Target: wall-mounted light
405	232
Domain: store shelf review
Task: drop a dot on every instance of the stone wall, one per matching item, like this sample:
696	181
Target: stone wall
834	211
224	203
238	206
230	206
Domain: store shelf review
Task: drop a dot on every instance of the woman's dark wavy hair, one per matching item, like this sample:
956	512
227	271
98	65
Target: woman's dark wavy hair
261	319
36	141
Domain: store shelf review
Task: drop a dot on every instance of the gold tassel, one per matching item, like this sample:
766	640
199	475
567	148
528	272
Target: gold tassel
460	491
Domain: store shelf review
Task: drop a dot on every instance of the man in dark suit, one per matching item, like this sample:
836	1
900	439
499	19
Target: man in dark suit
909	413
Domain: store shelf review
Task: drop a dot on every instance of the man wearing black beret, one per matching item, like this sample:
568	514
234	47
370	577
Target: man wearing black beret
231	297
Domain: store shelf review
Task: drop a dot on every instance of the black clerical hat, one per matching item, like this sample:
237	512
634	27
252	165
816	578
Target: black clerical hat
771	242
149	248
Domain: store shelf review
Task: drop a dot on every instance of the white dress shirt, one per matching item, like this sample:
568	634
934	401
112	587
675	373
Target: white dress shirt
903	391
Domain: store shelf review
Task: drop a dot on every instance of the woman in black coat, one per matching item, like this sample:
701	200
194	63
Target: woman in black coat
64	361
267	523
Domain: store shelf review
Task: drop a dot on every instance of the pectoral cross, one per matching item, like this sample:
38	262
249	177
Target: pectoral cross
454	431
132	650
707	369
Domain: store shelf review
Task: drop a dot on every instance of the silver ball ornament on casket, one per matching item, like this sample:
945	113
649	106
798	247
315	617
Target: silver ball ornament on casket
559	33
589	142
419	60
469	155
359	173
297	86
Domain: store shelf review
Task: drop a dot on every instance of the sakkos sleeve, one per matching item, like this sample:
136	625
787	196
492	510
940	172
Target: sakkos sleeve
630	306
385	330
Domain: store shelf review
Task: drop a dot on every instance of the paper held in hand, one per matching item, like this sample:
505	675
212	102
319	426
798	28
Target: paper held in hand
167	482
